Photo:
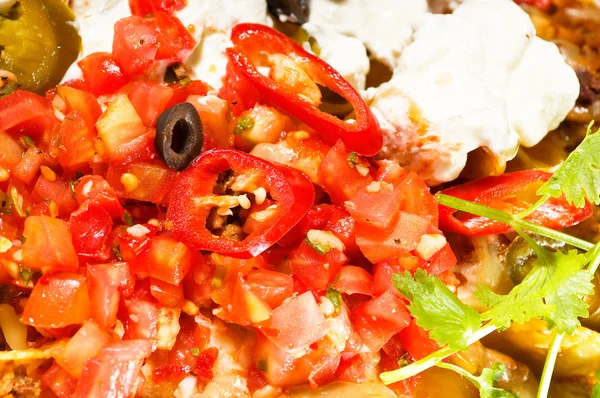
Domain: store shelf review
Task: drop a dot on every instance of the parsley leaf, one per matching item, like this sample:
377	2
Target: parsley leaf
437	309
578	178
352	159
552	290
335	297
486	382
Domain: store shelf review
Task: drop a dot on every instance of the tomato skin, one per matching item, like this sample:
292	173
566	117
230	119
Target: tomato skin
342	225
104	281
182	92
271	286
145	7
23	112
101	73
542	5
57	191
375	209
91	227
77	141
165	293
416	199
417	342
353	280
49	239
166	259
238	92
114	372
155	181
191	335
149	99
85	344
59	381
338	178
11	153
441	261
98	190
316	270
140	319
378	319
58	301
26	170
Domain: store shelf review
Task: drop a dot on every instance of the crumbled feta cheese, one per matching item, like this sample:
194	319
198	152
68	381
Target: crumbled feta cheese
138	230
167	327
467	81
429	244
345	54
325	239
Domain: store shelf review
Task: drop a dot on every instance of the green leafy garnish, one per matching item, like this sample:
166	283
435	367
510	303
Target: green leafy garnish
552	290
486	383
244	123
437	309
335	297
117	253
319	247
128	219
28	140
578	178
26	273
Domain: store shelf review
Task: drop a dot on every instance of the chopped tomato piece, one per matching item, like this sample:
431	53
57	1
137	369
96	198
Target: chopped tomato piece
77	141
238	91
287	326
376	209
91	227
417	342
48	246
416	198
26	170
140	319
101	73
155	181
104	281
114	372
352	280
149	100
165	293
316	270
271	286
166	259
96	189
11	153
181	92
57	301
85	344
59	381
377	320
145	7
57	191
23	112
84	103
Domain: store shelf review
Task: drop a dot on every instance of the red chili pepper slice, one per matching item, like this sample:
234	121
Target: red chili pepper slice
501	192
292	192
253	41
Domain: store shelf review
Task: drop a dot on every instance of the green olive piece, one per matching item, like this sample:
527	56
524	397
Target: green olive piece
38	42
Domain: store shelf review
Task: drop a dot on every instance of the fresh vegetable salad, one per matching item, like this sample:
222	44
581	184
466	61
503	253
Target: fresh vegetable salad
264	199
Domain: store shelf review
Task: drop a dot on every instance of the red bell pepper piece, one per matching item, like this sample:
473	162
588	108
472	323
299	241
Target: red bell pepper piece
252	41
291	190
501	192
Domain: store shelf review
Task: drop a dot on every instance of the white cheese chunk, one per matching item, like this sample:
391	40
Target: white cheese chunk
476	78
347	55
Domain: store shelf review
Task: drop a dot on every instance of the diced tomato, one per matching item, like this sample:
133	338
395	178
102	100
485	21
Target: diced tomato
342	225
377	320
181	92
375	209
441	261
114	372
59	381
77	141
166	259
85	344
81	101
91	227
238	91
96	189
149	99
401	238
215	117
104	281
316	270
48	246
271	286
196	284
155	181
339	176
383	273
165	293
542	5
23	112
123	133
145	7
354	367
279	367
175	42
417	342
316	218
101	73
57	191
59	300
26	170
191	335
140	319
287	326
416	199
11	153
352	280
323	371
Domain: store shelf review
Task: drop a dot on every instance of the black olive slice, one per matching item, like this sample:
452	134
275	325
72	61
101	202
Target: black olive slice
294	11
179	136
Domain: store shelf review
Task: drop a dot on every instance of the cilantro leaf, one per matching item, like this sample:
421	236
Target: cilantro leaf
552	290
578	178
437	309
486	382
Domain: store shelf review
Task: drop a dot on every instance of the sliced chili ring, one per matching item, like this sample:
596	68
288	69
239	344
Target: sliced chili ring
254	41
189	209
